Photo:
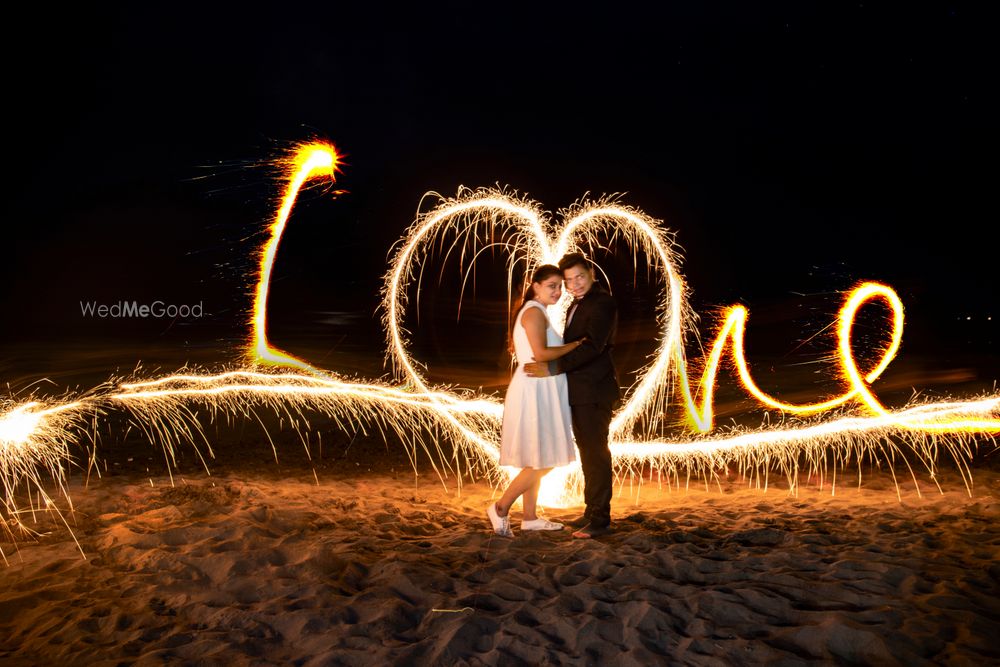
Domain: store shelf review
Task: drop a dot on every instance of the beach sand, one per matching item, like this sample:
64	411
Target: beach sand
267	564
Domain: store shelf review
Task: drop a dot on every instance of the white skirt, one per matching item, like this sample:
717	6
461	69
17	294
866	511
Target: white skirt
537	426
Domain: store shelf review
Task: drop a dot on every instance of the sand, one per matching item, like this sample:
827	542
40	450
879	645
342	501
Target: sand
269	567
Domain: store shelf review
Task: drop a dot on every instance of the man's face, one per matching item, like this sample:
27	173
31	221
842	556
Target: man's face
578	280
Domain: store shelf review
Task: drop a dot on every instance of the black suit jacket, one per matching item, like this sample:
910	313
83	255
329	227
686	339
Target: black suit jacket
589	369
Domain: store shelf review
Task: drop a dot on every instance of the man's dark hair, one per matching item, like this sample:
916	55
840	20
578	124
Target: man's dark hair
574	259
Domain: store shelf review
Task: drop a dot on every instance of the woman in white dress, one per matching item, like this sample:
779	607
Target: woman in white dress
537	428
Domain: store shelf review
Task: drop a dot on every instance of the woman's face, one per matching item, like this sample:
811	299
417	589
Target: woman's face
548	291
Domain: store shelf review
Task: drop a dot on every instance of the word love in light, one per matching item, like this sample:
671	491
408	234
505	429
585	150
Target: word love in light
36	435
457	225
523	229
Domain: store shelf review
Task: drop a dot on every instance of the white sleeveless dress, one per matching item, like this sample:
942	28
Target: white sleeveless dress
537	427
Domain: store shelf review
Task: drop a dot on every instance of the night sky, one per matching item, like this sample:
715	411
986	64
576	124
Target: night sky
795	151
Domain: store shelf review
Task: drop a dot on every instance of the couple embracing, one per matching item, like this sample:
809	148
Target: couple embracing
563	387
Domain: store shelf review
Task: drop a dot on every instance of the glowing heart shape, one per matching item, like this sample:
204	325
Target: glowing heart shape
534	239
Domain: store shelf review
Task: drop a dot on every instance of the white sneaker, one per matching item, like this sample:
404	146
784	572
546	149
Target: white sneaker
501	524
541	524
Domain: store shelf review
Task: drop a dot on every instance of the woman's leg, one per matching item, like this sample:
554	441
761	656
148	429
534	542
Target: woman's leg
530	499
521	483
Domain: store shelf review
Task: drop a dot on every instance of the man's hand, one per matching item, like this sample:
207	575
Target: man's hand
537	369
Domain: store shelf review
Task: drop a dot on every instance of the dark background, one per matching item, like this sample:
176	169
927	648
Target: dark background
795	150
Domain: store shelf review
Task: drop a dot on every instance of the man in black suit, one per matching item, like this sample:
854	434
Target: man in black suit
593	386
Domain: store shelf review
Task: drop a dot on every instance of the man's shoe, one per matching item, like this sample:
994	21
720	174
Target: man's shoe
590	530
579	522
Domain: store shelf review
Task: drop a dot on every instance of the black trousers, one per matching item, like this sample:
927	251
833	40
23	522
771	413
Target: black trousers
590	428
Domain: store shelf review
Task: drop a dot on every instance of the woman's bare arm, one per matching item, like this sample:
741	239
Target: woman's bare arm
533	322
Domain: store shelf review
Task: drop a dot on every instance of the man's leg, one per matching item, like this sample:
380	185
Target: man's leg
590	427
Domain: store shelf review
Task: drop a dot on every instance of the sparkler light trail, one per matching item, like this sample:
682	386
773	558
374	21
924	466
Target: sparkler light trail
464	226
37	436
734	328
306	162
520	228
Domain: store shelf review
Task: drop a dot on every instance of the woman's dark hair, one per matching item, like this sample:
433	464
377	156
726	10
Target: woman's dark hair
541	273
